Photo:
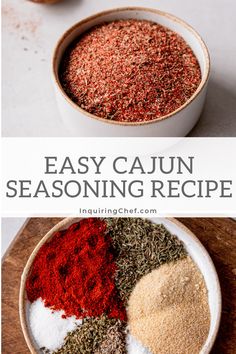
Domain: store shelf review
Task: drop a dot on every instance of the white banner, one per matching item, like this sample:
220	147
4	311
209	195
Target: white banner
118	177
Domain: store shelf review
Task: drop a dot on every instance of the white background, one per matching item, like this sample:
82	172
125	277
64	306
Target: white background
216	162
30	32
213	160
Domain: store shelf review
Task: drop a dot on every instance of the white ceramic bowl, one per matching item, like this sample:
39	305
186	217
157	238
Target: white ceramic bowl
176	124
195	250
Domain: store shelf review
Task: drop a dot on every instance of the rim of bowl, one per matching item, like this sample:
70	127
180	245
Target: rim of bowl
65	223
169	16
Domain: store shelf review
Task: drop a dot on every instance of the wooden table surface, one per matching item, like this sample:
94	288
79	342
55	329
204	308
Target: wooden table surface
218	235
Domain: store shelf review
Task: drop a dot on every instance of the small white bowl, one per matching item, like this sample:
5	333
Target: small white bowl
176	124
193	246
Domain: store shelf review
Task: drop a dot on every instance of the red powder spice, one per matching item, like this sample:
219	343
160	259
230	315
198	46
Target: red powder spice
74	272
130	70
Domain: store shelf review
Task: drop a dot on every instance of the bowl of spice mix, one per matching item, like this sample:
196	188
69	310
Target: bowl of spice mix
131	72
121	286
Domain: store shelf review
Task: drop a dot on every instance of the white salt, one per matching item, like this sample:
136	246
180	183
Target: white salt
48	328
134	346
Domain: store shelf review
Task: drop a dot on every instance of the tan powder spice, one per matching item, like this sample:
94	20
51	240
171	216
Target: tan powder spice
168	310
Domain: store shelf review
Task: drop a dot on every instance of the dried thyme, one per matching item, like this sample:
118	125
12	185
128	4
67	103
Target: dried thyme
141	246
88	337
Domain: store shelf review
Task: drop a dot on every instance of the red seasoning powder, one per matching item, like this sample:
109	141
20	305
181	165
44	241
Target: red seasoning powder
75	271
130	71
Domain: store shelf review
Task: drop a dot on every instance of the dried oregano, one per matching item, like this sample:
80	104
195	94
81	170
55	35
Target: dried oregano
89	336
141	246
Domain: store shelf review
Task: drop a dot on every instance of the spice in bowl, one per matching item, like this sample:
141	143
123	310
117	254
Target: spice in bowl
119	286
168	299
130	71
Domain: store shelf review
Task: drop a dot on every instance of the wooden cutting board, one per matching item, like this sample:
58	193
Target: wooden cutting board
218	235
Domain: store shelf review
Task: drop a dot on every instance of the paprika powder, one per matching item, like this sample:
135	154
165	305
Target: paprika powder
75	272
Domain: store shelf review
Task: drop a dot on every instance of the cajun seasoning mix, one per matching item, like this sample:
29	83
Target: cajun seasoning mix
106	285
130	71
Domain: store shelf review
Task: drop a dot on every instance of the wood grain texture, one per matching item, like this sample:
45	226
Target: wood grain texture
12	267
218	235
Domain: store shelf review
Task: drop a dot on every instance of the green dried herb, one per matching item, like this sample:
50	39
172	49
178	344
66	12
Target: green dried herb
141	246
88	337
